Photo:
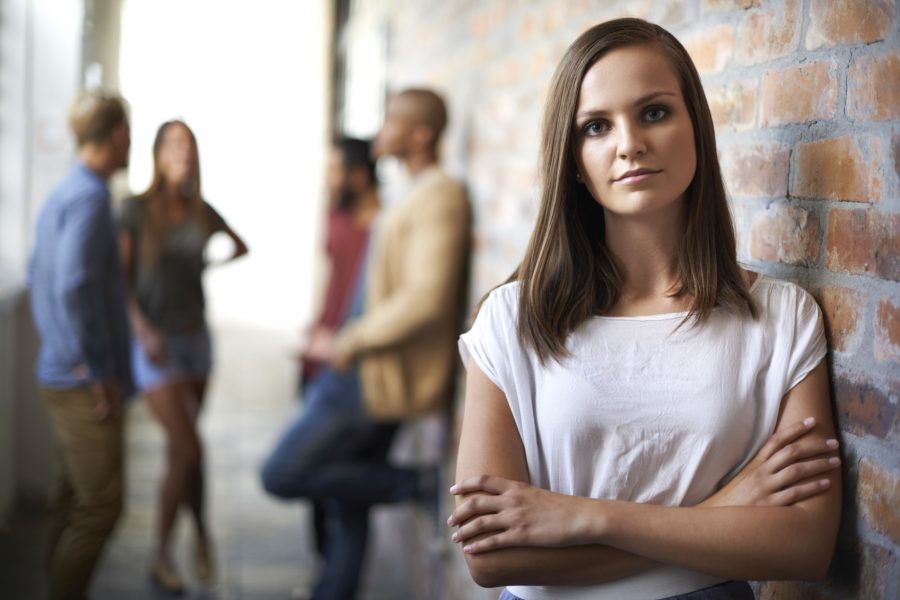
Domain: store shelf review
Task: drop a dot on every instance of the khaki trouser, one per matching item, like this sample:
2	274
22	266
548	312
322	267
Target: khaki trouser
87	497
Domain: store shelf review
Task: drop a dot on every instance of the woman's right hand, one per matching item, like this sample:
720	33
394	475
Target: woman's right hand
154	344
786	470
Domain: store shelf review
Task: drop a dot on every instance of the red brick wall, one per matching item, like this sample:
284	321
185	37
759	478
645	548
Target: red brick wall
806	99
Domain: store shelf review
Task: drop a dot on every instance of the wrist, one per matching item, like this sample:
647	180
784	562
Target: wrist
590	521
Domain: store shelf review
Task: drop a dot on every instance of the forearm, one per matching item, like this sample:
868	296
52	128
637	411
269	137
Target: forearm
136	316
790	542
399	318
573	565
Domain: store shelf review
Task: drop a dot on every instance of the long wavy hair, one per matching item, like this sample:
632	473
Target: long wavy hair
154	223
568	274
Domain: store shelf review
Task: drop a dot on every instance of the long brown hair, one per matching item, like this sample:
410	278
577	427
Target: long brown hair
154	223
568	274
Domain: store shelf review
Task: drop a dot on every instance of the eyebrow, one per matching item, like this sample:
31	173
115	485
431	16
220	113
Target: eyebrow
639	101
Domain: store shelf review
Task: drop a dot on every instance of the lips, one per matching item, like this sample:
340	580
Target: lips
636	175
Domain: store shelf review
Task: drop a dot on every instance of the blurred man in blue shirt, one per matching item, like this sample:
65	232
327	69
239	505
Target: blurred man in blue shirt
83	368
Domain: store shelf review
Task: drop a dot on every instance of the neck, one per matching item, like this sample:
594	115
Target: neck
97	160
419	160
646	248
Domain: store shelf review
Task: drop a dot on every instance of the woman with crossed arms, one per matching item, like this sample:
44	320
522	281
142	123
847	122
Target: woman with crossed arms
644	418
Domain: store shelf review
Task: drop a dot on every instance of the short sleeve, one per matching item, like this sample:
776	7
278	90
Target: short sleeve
488	341
809	345
214	220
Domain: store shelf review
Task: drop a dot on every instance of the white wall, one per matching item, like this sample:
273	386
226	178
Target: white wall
40	54
250	79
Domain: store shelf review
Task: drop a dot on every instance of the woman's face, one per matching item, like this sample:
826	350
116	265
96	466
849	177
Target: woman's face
176	154
634	142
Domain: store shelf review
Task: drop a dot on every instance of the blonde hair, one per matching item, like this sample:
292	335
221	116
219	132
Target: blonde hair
94	114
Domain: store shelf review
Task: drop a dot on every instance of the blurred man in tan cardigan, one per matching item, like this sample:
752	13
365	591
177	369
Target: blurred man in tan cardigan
395	358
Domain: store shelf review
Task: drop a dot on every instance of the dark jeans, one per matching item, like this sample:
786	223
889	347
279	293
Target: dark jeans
336	456
730	590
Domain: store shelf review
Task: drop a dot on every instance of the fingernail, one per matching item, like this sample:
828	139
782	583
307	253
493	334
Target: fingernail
824	483
832	443
467	549
453	489
809	421
834	460
450	520
454	537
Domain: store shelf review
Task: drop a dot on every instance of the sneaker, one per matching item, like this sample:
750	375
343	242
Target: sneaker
166	577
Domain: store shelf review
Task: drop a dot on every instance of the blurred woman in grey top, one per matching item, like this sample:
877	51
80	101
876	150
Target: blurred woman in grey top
163	236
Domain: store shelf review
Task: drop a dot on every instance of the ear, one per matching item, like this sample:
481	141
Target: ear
423	136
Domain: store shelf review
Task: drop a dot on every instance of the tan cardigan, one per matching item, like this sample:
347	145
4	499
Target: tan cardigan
406	340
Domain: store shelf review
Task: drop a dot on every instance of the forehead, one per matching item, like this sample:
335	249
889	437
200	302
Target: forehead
176	133
622	76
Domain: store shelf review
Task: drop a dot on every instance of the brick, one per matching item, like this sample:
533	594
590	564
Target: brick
878	494
875	563
798	94
895	150
863	409
713	5
841	308
785	234
756	170
836	22
837	169
873	87
887	332
789	590
769	34
672	14
711	49
733	105
863	241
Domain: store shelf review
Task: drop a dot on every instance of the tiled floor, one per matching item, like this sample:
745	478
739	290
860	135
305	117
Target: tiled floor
263	545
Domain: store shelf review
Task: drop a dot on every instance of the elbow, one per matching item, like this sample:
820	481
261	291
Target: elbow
483	577
817	566
485	571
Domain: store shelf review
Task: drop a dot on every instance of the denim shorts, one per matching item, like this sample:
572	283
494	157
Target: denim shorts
188	358
730	590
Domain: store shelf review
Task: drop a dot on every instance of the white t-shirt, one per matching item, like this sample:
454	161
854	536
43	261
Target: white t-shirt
643	412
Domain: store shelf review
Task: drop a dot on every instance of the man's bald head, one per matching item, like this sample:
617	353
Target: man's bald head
427	108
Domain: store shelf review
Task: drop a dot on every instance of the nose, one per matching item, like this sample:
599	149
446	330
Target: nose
631	141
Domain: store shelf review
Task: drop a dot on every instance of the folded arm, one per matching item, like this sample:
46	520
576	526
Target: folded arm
430	276
515	533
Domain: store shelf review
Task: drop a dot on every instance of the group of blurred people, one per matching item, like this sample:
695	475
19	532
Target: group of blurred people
119	305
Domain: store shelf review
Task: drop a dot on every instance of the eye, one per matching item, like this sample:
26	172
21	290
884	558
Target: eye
656	113
596	127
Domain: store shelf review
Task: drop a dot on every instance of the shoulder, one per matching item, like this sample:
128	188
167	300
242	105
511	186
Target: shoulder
779	299
501	305
81	188
437	182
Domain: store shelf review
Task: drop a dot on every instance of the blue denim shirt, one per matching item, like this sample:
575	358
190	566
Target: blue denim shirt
77	287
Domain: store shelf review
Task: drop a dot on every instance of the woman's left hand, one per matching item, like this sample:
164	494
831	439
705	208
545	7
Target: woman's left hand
502	513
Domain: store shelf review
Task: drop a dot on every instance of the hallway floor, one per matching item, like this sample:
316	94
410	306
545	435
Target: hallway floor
263	546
